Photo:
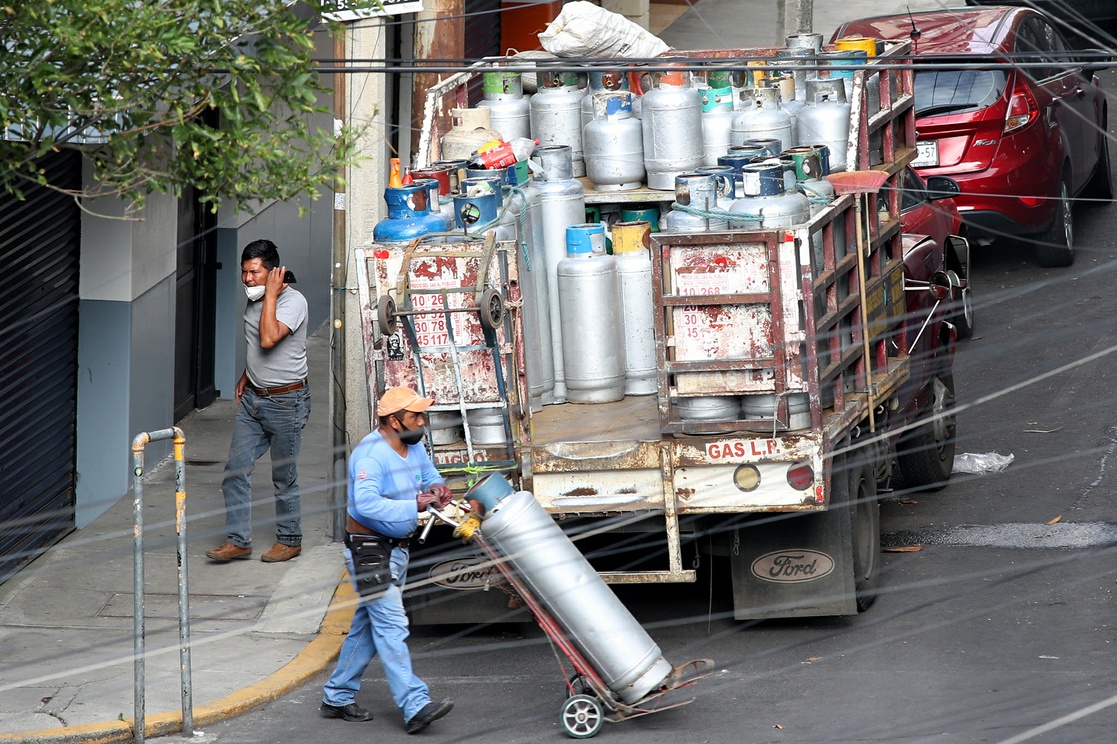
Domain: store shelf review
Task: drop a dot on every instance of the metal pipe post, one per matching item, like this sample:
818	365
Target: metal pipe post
138	444
337	476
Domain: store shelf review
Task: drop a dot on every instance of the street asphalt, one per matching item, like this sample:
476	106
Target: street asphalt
257	630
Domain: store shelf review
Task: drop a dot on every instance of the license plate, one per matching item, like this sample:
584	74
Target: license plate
927	154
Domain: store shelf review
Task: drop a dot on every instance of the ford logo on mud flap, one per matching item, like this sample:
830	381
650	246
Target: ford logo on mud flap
792	566
464	574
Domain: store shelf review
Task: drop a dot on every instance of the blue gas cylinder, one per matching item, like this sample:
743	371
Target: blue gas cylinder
409	214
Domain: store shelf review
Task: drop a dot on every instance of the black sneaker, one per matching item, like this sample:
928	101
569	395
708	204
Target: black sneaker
429	713
351	712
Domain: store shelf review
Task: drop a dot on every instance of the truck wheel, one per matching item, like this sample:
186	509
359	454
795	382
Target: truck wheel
926	456
854	488
1056	246
865	526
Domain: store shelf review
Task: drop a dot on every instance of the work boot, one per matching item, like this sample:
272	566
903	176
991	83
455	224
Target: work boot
428	714
350	712
280	552
227	552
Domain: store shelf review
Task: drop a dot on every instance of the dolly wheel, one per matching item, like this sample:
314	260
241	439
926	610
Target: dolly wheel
491	308
386	315
582	716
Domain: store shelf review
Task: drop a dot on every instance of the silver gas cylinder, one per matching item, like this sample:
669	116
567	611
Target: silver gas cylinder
709	408
699	191
504	97
672	121
614	144
825	119
563	203
762	119
469	130
556	573
762	407
726	183
589	307
606	81
812	42
717	117
524	198
556	114
632	252
765	200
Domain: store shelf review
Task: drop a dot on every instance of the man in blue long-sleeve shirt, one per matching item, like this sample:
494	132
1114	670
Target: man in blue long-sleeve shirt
391	480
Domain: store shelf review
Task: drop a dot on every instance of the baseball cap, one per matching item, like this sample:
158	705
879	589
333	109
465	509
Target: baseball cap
396	399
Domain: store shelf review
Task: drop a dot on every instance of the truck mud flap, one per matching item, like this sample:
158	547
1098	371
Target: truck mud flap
793	565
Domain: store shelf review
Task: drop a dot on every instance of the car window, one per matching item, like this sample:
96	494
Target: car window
939	92
1033	45
915	192
1061	58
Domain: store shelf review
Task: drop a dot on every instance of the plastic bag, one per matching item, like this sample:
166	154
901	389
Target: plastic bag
990	462
583	29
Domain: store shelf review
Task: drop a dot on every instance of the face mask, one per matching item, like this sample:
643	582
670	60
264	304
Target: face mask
411	436
254	293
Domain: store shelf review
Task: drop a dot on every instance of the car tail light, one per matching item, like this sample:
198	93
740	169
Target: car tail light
1022	108
800	476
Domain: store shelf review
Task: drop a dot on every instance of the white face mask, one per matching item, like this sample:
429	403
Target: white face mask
254	293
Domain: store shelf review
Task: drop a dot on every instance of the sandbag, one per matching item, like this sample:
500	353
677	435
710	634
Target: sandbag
583	29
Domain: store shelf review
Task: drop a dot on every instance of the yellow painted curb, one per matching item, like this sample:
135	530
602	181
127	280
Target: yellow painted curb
317	656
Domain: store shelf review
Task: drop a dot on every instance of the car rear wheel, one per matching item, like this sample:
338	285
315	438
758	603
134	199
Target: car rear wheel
1056	246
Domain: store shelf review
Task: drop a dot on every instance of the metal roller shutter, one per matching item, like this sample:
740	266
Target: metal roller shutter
39	252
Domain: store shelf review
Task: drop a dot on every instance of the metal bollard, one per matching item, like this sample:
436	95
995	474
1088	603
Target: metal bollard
138	445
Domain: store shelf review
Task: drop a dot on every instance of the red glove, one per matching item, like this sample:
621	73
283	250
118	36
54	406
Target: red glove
443	493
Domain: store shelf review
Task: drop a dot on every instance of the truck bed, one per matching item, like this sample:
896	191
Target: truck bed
635	418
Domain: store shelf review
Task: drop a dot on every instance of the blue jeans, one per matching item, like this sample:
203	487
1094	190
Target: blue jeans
379	627
266	422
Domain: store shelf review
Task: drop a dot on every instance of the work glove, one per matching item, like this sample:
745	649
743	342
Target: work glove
439	495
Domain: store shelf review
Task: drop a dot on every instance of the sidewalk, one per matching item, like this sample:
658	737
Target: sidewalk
258	630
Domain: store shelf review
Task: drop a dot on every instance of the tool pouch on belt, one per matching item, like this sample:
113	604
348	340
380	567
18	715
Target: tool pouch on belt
372	563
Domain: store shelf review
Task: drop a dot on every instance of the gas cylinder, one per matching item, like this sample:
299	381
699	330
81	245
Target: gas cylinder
409	214
726	183
764	118
478	203
763	406
552	567
810	177
556	114
717	117
589	299
614	144
649	214
698	190
434	190
710	407
672	122
563	203
524	198
470	128
632	252
842	64
607	81
509	111
810	41
764	198
825	119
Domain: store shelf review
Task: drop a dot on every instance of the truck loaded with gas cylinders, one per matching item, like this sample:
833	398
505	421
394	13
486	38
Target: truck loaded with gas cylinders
684	316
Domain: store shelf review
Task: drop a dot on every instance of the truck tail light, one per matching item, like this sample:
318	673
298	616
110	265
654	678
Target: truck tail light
746	478
1022	107
800	476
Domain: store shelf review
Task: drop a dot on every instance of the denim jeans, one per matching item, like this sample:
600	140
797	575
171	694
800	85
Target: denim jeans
266	422
379	627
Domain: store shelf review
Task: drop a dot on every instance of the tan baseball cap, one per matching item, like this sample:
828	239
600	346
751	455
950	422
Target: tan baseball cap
396	399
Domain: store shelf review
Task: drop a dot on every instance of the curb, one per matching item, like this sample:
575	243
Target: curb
316	657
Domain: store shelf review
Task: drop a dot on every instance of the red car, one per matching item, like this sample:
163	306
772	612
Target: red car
1020	141
929	209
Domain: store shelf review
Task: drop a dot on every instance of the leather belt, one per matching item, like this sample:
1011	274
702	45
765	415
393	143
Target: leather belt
353	527
279	390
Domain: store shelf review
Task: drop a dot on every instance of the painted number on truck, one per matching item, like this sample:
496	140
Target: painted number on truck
734	449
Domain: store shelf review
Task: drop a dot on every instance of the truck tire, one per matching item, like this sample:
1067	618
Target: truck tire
854	488
926	455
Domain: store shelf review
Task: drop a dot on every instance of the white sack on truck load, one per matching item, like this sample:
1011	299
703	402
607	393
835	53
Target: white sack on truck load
583	29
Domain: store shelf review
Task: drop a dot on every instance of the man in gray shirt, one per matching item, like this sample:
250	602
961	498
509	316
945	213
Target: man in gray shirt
273	403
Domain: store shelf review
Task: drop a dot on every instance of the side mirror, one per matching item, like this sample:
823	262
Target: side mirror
941	187
1095	60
